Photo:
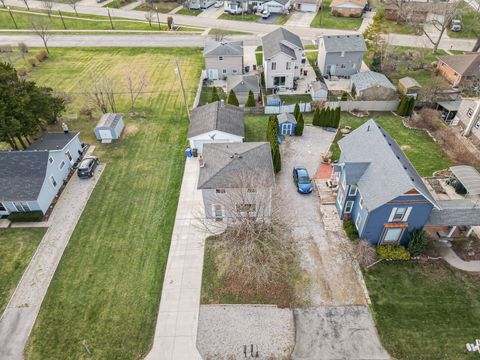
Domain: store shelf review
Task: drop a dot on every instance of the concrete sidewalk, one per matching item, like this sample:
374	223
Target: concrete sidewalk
450	257
21	312
176	330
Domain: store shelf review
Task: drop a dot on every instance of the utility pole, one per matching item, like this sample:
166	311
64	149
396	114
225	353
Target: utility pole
61	17
111	22
177	70
13	19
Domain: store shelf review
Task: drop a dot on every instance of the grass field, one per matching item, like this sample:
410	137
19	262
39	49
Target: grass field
162	7
245	17
107	287
206	95
17	247
117	4
189	12
425	311
324	19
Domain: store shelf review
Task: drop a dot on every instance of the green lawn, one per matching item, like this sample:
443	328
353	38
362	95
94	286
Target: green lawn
295	98
324	19
107	287
470	23
188	12
421	150
259	57
425	311
283	18
116	4
391	27
245	17
226	32
17	247
206	95
162	7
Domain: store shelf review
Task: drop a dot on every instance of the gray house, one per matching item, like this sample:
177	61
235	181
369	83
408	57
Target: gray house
468	118
341	55
242	85
237	181
30	179
223	59
109	127
371	85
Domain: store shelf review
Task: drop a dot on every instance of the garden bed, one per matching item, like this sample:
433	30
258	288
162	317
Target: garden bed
467	249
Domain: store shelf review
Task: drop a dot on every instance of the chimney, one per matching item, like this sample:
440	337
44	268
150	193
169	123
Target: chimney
368	128
65	128
222	103
201	161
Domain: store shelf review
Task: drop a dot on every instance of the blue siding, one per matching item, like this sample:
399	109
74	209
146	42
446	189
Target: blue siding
284	126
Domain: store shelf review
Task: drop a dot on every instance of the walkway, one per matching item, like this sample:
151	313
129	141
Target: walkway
19	317
450	257
176	330
132	5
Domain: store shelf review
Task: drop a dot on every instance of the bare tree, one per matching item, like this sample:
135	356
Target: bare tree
101	94
26	4
73	4
136	82
23	49
48	5
149	17
430	92
41	27
219	35
3	3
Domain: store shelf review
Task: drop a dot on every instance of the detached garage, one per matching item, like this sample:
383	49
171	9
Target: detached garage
109	127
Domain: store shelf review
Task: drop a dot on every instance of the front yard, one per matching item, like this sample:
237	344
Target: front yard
244	17
107	287
470	23
425	311
324	19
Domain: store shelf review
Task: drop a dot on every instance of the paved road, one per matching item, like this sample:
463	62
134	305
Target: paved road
19	317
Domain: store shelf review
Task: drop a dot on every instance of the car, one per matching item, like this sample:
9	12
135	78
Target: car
218	4
456	25
265	14
87	167
302	180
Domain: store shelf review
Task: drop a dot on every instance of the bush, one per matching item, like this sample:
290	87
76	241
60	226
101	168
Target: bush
22	71
32	61
417	242
232	98
41	55
26	216
350	229
365	253
251	99
300	125
392	252
344	96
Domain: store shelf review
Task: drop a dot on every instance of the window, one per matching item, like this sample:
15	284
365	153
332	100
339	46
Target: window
220	58
279	80
392	235
251	191
288	65
62	164
470	112
69	156
224	71
218	212
234	71
399	213
220	191
245	207
340	198
274	66
362	203
22	206
2	207
358	222
50	160
54	182
349	207
342	66
353	190
342	54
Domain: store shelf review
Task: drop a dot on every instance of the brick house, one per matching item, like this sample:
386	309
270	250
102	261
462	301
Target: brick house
460	69
347	8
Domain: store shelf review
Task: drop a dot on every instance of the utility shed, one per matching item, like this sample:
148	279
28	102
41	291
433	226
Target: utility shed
408	86
286	123
109	127
319	91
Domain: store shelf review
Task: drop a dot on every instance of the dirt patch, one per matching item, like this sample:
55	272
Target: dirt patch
467	249
406	148
130	129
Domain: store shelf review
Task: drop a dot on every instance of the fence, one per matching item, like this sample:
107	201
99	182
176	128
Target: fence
351	105
304	107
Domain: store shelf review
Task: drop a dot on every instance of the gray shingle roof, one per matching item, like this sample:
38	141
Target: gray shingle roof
368	79
390	173
215	116
465	65
223	49
280	40
52	141
243	83
339	43
109	120
286	117
22	174
455	212
226	163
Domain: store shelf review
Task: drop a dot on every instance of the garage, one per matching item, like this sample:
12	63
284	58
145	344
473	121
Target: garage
307	5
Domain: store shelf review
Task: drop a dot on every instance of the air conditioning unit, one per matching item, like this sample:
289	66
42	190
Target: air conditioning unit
201	162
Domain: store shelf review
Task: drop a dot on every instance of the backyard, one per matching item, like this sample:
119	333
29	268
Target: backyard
17	247
106	290
324	19
425	311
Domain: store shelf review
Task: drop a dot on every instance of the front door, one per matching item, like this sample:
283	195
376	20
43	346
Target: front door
213	74
331	69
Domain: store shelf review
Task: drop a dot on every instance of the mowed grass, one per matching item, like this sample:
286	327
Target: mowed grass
17	247
324	19
425	311
106	290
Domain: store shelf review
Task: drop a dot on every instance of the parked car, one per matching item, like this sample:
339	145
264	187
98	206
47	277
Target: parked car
456	25
302	180
218	4
265	14
99	1
87	167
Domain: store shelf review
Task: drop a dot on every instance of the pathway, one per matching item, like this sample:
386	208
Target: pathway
177	321
177	9
450	257
367	20
19	317
211	13
132	5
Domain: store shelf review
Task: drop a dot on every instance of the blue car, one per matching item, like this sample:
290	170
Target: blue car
302	180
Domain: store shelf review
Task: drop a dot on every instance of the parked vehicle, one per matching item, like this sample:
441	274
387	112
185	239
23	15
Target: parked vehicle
99	1
87	167
456	26
265	14
302	180
218	4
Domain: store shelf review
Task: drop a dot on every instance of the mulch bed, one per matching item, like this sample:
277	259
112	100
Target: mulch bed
467	249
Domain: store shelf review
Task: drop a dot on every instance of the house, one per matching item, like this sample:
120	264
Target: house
341	55
283	59
201	4
235	7
415	12
371	85
276	6
30	179
286	124
237	179
461	70
109	127
347	8
223	59
319	91
242	85
468	118
379	189
408	86
216	122
307	5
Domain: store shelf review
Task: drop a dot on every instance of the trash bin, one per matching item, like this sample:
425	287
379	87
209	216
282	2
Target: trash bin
247	68
195	152
188	152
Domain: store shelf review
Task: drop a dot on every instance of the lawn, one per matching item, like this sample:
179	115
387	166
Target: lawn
391	27
116	4
226	32
188	12
470	23
420	149
425	311
206	95
295	98
324	19
245	17
17	247
283	18
107	287
162	7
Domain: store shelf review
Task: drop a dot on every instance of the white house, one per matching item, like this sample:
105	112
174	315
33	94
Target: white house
215	123
283	59
201	4
276	6
468	118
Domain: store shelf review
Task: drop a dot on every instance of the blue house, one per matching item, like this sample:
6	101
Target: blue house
378	187
286	123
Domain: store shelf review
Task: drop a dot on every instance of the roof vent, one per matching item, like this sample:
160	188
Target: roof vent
222	103
235	156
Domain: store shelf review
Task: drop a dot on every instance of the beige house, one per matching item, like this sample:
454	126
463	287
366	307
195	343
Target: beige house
347	8
223	59
468	118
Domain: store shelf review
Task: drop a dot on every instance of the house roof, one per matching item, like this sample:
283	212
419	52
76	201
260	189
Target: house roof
469	177
243	83
349	3
389	173
53	141
225	164
283	2
455	212
409	82
369	79
418	6
450	105
314	2
339	43
286	117
280	40
216	116
223	49
109	120
465	65
22	174
319	85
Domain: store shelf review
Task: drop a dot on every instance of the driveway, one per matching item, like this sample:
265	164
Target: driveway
271	19
212	12
19	317
302	19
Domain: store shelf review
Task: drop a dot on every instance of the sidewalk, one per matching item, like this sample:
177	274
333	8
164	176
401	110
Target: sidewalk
450	257
176	330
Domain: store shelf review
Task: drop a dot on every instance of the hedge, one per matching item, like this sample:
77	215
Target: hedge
392	252
30	216
350	229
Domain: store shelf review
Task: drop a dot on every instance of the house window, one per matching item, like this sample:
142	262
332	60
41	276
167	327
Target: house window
399	213
251	191
220	58
2	207
62	164
392	235
279	81
342	66
358	222
353	190
50	160
22	206
288	65
218	212
54	182
477	125
274	66
224	71
342	54
349	207
470	112
362	203
340	198
234	71
69	156
220	191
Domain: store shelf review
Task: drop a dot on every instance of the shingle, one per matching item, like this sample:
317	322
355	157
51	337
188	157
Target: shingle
215	116
339	43
369	79
465	65
409	82
286	117
278	41
223	49
455	212
243	83
109	120
52	141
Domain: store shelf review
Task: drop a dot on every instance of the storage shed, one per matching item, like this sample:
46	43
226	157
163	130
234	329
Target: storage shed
109	127
371	86
286	124
408	86
319	91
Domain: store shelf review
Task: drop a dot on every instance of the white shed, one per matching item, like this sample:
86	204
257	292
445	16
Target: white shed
319	91
109	127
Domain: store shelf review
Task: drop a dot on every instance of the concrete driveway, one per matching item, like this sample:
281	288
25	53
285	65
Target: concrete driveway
271	19
212	12
302	19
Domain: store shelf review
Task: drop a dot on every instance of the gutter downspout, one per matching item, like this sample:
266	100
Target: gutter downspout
473	121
